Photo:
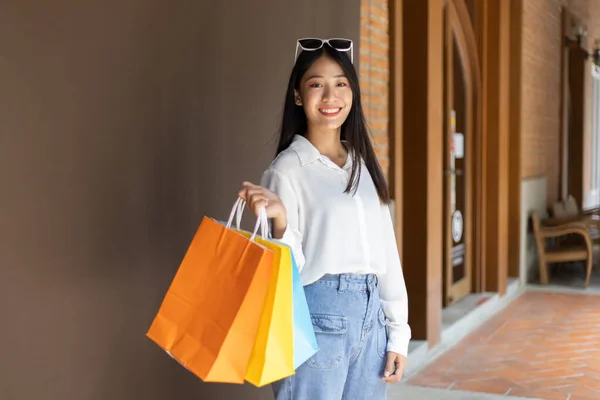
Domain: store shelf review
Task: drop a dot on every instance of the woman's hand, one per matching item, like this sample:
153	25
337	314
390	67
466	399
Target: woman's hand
257	197
394	368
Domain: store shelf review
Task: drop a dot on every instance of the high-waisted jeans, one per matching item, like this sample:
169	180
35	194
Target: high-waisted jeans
350	327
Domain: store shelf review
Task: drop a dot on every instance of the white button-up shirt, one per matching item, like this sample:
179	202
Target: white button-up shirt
332	232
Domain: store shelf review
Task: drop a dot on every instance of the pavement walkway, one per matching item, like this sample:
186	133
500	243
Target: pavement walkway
544	345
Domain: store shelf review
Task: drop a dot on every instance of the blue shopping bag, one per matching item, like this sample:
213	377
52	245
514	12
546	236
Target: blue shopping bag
305	341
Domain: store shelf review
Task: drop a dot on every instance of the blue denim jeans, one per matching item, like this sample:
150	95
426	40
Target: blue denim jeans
350	327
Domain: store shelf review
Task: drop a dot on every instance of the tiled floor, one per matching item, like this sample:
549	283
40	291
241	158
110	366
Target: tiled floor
543	345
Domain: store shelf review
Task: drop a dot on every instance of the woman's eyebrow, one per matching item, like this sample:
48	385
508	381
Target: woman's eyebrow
321	76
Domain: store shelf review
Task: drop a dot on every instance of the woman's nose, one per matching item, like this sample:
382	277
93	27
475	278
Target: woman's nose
328	94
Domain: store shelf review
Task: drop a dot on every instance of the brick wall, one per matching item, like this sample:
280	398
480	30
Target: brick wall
541	107
374	73
541	111
581	8
542	46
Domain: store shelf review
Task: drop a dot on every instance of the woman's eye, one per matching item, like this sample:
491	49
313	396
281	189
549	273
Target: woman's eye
316	85
342	84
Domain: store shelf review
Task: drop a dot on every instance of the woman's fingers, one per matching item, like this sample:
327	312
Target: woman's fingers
249	185
253	198
255	192
257	197
246	191
257	205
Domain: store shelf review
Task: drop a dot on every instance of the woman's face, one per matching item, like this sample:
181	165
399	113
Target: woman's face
325	95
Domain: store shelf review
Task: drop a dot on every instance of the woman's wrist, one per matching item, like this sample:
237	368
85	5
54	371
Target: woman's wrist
279	226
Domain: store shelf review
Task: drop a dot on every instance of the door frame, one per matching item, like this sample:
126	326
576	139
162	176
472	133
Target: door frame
572	173
460	29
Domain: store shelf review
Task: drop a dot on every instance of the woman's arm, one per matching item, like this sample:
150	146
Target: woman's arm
287	229
392	288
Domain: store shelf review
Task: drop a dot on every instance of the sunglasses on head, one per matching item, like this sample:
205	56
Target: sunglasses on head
313	44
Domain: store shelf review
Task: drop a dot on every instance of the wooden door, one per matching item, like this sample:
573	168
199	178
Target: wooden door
460	125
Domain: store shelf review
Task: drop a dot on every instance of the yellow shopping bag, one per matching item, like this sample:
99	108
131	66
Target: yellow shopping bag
272	357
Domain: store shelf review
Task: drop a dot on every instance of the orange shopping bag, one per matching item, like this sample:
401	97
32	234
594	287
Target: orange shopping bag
209	318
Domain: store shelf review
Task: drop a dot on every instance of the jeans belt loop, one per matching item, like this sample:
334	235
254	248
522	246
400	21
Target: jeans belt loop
343	283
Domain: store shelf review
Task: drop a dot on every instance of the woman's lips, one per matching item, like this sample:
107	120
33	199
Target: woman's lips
330	111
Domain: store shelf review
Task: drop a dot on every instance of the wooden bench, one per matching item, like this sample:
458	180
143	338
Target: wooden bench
559	251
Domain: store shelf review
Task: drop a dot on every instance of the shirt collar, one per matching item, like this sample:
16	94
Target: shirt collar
305	150
308	153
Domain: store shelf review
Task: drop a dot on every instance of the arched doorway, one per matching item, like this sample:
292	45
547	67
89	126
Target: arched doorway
462	130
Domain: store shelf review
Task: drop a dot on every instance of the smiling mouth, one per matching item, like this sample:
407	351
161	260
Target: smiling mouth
330	112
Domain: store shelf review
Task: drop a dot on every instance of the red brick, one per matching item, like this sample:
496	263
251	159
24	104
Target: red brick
378	125
380	139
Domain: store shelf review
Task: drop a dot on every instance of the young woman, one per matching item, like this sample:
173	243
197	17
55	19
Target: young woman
328	200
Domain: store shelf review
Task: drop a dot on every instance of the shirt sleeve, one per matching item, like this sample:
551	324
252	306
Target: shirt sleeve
392	289
280	184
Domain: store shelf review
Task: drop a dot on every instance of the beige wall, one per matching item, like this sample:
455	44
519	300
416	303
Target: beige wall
122	123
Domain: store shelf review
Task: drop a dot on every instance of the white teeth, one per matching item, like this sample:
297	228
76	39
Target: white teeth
330	110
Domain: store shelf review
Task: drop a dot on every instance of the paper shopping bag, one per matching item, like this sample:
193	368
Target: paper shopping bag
273	354
305	341
209	318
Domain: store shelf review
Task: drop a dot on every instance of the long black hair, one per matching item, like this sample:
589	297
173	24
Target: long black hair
354	129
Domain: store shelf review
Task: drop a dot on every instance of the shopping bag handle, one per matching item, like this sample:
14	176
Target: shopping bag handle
262	220
236	211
